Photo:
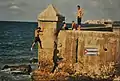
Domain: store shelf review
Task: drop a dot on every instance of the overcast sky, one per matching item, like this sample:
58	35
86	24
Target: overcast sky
27	10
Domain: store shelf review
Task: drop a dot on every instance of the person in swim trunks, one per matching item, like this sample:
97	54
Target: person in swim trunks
37	38
79	16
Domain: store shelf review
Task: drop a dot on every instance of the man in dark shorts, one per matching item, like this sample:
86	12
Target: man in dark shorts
37	38
79	16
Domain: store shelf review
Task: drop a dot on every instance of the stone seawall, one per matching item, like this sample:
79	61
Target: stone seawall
73	46
76	61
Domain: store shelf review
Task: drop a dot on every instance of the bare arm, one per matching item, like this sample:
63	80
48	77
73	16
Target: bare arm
82	12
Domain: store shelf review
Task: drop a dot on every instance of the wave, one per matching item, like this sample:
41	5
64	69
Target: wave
16	75
6	76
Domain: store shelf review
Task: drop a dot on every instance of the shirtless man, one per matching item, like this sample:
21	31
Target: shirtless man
74	26
65	26
37	38
79	16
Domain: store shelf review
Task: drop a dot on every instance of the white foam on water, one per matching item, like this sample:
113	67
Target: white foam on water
6	75
21	77
16	71
6	70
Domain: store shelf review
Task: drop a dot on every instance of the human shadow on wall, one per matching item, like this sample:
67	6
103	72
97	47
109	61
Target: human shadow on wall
56	59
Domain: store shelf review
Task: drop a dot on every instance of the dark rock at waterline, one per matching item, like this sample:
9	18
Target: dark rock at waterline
33	60
18	69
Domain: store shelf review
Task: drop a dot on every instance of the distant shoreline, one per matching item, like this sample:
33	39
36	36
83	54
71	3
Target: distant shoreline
35	22
20	21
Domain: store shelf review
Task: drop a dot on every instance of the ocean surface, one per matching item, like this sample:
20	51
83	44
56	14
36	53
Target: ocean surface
15	43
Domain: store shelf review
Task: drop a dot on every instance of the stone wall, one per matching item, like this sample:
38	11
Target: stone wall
72	45
50	21
45	55
92	39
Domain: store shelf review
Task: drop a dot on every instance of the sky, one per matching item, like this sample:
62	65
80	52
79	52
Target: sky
28	10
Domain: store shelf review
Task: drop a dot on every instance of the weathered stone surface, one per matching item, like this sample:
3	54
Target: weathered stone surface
42	75
53	16
71	46
50	21
105	42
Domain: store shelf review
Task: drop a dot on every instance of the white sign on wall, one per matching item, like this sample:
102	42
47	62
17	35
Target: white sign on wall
91	51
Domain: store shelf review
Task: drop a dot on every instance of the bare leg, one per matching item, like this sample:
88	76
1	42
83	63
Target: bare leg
32	45
40	44
79	26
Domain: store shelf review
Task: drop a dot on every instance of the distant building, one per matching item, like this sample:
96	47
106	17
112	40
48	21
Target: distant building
107	23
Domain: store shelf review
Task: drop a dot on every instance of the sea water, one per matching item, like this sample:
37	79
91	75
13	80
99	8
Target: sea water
15	43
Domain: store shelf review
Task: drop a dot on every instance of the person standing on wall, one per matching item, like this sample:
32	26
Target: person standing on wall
79	16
